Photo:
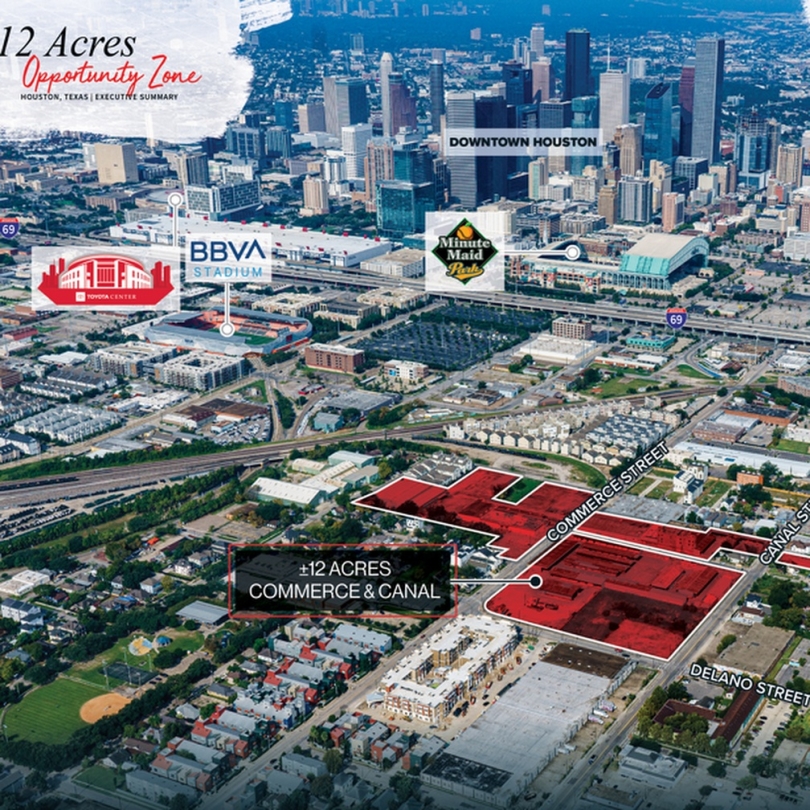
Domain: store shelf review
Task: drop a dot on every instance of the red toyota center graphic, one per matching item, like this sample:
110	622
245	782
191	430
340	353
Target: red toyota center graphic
106	279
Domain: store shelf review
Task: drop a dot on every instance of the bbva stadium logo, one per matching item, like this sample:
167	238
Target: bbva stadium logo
465	252
106	280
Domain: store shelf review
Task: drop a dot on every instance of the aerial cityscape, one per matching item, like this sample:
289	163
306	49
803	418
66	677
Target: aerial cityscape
435	435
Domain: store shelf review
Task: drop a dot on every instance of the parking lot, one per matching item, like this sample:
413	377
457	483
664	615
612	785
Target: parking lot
454	337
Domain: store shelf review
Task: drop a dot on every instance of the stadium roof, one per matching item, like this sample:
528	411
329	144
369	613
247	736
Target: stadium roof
661	245
661	254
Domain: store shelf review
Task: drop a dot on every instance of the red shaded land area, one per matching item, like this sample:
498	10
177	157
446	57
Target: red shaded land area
470	504
692	542
625	597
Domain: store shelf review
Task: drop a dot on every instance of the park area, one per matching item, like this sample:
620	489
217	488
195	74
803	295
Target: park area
51	713
85	693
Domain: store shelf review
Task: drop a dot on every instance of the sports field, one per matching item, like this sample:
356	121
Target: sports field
50	713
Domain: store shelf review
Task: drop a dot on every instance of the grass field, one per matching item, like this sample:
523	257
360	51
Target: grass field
520	489
688	371
538	465
660	491
583	472
255	391
791	446
619	387
640	486
50	714
100	777
713	491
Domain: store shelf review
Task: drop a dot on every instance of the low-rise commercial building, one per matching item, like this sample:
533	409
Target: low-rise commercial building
405	263
333	357
558	351
406	370
650	768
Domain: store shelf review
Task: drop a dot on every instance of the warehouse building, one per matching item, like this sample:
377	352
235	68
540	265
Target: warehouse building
499	756
557	350
405	263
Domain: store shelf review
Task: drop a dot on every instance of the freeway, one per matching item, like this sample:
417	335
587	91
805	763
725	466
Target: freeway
601	310
26	492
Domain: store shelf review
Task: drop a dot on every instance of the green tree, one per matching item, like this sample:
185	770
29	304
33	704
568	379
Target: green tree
333	759
321	787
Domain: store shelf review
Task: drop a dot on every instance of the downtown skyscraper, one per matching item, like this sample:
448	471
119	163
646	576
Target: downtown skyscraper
658	125
578	80
345	103
686	101
386	69
709	58
436	77
614	102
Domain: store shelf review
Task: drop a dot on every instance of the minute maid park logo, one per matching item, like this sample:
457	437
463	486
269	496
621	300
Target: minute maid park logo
465	252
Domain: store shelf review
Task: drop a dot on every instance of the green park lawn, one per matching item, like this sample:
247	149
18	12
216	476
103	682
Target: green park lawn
520	489
688	371
50	714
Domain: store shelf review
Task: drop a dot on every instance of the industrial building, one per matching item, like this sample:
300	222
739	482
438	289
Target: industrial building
500	755
405	263
429	682
558	351
200	371
340	473
724	428
363	401
725	456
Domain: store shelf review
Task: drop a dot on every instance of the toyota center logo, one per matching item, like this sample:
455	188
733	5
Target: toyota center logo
465	252
68	279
